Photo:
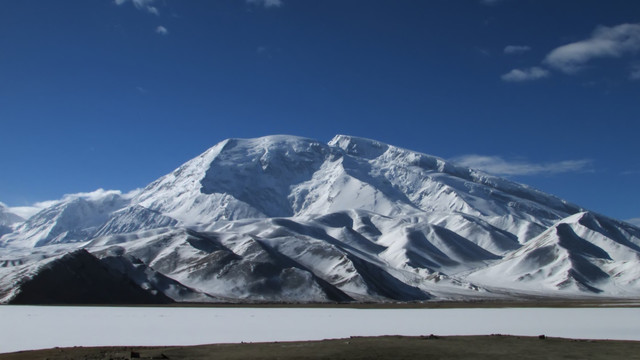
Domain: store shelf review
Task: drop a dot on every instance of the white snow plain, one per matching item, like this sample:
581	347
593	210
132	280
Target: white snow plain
38	327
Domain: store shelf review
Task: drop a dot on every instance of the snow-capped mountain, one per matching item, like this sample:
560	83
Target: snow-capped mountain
73	219
283	218
583	252
8	219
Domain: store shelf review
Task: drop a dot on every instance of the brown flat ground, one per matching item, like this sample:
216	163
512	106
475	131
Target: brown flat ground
386	347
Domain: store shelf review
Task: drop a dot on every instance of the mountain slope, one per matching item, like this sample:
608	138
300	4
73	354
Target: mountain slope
585	252
8	220
73	219
7	217
283	176
80	278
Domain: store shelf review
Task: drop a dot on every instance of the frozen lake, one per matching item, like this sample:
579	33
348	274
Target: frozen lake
36	327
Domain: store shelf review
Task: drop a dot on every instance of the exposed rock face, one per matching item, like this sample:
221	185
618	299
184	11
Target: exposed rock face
81	278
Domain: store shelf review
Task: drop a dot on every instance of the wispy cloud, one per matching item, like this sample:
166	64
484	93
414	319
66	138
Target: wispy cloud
266	3
498	166
162	30
27	211
605	42
483	52
490	2
146	5
634	221
635	72
516	49
153	10
93	195
520	75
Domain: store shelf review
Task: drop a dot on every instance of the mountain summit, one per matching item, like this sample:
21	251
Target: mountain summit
284	218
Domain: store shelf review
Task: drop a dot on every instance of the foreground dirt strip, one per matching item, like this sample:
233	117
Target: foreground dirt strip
386	347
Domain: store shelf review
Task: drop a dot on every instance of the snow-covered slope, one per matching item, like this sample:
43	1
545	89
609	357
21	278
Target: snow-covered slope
73	219
284	176
284	218
583	252
8	220
7	217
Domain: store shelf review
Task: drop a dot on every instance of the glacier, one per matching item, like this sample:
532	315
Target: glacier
291	219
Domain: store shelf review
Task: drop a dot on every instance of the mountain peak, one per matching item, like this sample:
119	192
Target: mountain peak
7	217
357	146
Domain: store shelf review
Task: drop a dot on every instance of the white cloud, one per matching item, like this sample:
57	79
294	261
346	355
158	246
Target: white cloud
93	195
605	42
162	30
483	51
145	5
266	3
519	75
141	4
516	49
499	166
635	221
635	72
489	2
153	10
27	211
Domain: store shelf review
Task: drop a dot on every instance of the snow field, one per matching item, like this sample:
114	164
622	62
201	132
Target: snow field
37	327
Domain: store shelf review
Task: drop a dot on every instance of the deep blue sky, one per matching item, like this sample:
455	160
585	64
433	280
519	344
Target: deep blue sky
113	94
